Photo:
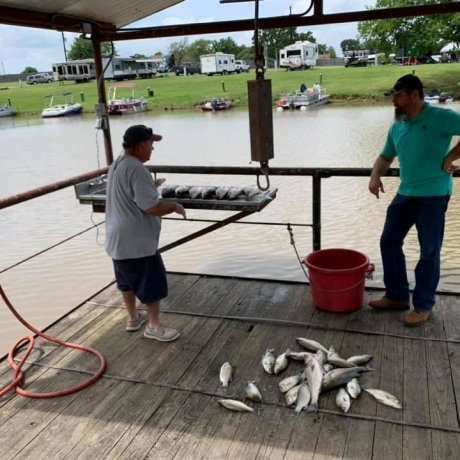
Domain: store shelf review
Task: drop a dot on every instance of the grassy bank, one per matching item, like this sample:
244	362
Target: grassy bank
360	84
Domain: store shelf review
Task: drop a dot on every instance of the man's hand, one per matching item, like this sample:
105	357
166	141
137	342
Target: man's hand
376	186
448	166
180	210
159	182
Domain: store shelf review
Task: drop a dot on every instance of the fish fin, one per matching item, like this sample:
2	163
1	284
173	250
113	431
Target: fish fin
368	367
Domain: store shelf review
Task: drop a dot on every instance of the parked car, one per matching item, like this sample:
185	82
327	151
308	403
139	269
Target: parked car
189	67
39	78
241	66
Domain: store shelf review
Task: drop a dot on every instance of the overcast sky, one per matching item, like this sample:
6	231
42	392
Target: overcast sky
21	47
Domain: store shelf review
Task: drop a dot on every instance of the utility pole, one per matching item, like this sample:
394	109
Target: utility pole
63	43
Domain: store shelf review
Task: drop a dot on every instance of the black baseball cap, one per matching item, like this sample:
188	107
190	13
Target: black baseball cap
407	82
139	133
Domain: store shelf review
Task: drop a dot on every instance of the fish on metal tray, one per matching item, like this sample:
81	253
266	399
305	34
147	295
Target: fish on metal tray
235	405
251	191
221	192
289	382
303	398
225	375
268	360
252	392
384	397
195	192
314	375
291	395
208	192
354	388
234	193
310	344
168	191
182	191
281	362
359	360
342	400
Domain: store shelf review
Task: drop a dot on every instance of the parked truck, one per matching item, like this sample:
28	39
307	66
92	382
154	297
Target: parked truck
217	63
186	68
299	55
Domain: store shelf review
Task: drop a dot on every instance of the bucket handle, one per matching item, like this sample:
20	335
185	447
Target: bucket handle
367	274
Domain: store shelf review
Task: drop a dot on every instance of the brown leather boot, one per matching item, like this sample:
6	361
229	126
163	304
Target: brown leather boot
387	304
417	318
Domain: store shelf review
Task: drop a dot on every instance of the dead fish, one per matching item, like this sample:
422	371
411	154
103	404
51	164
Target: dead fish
299	355
289	382
342	399
251	191
221	193
385	398
182	191
321	357
234	192
168	191
268	360
335	359
303	398
225	375
340	376
291	395
359	360
327	368
354	388
281	363
233	404
314	376
310	344
195	192
252	392
208	192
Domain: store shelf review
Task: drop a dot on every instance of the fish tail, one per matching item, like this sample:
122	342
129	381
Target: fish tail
313	407
223	388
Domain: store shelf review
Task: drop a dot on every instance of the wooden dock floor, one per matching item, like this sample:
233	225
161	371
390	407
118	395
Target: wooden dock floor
159	400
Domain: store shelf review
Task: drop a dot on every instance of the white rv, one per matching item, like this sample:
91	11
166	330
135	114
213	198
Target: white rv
221	63
79	70
300	55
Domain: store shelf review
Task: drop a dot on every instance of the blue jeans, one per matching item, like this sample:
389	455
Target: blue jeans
428	215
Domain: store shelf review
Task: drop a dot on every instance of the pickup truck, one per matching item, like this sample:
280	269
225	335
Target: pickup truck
241	66
190	67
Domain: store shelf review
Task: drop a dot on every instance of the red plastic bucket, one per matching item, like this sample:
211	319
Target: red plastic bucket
337	278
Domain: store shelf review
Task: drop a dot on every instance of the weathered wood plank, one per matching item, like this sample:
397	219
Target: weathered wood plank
387	442
360	440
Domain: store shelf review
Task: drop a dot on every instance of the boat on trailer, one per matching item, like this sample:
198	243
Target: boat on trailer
66	108
127	104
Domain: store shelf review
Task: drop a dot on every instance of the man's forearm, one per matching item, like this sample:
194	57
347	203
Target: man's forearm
381	166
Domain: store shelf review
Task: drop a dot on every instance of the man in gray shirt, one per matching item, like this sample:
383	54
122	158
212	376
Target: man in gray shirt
133	222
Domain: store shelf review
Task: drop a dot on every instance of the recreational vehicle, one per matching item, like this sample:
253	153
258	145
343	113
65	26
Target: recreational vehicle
146	68
79	70
217	63
120	68
300	55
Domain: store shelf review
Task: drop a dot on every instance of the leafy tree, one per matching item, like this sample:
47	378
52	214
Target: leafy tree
83	49
29	69
225	45
246	53
198	48
331	52
138	56
411	36
275	39
350	44
178	51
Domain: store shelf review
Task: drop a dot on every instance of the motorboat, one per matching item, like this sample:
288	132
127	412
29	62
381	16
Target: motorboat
7	110
125	105
303	100
216	104
436	96
65	108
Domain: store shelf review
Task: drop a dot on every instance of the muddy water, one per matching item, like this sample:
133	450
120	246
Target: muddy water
35	152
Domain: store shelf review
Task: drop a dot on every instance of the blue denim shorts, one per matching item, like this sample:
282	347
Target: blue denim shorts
145	277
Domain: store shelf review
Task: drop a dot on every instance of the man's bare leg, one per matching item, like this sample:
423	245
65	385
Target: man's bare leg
130	303
153	310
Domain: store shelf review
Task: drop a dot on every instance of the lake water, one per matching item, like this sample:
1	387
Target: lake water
36	152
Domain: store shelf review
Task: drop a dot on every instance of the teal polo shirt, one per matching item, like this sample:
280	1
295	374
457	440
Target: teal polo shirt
421	145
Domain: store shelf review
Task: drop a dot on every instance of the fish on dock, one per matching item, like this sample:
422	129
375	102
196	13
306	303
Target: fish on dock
354	388
384	397
314	376
342	400
289	382
311	345
291	395
235	405
195	192
182	191
252	392
225	375
268	360
303	398
281	362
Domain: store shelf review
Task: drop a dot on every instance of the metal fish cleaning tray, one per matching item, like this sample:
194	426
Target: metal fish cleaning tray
94	192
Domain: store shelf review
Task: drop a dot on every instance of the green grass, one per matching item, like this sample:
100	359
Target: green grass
360	84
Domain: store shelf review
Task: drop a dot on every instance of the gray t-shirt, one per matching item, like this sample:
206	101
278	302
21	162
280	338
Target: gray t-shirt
130	232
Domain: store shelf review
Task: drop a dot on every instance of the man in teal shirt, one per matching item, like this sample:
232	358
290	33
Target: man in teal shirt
420	137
